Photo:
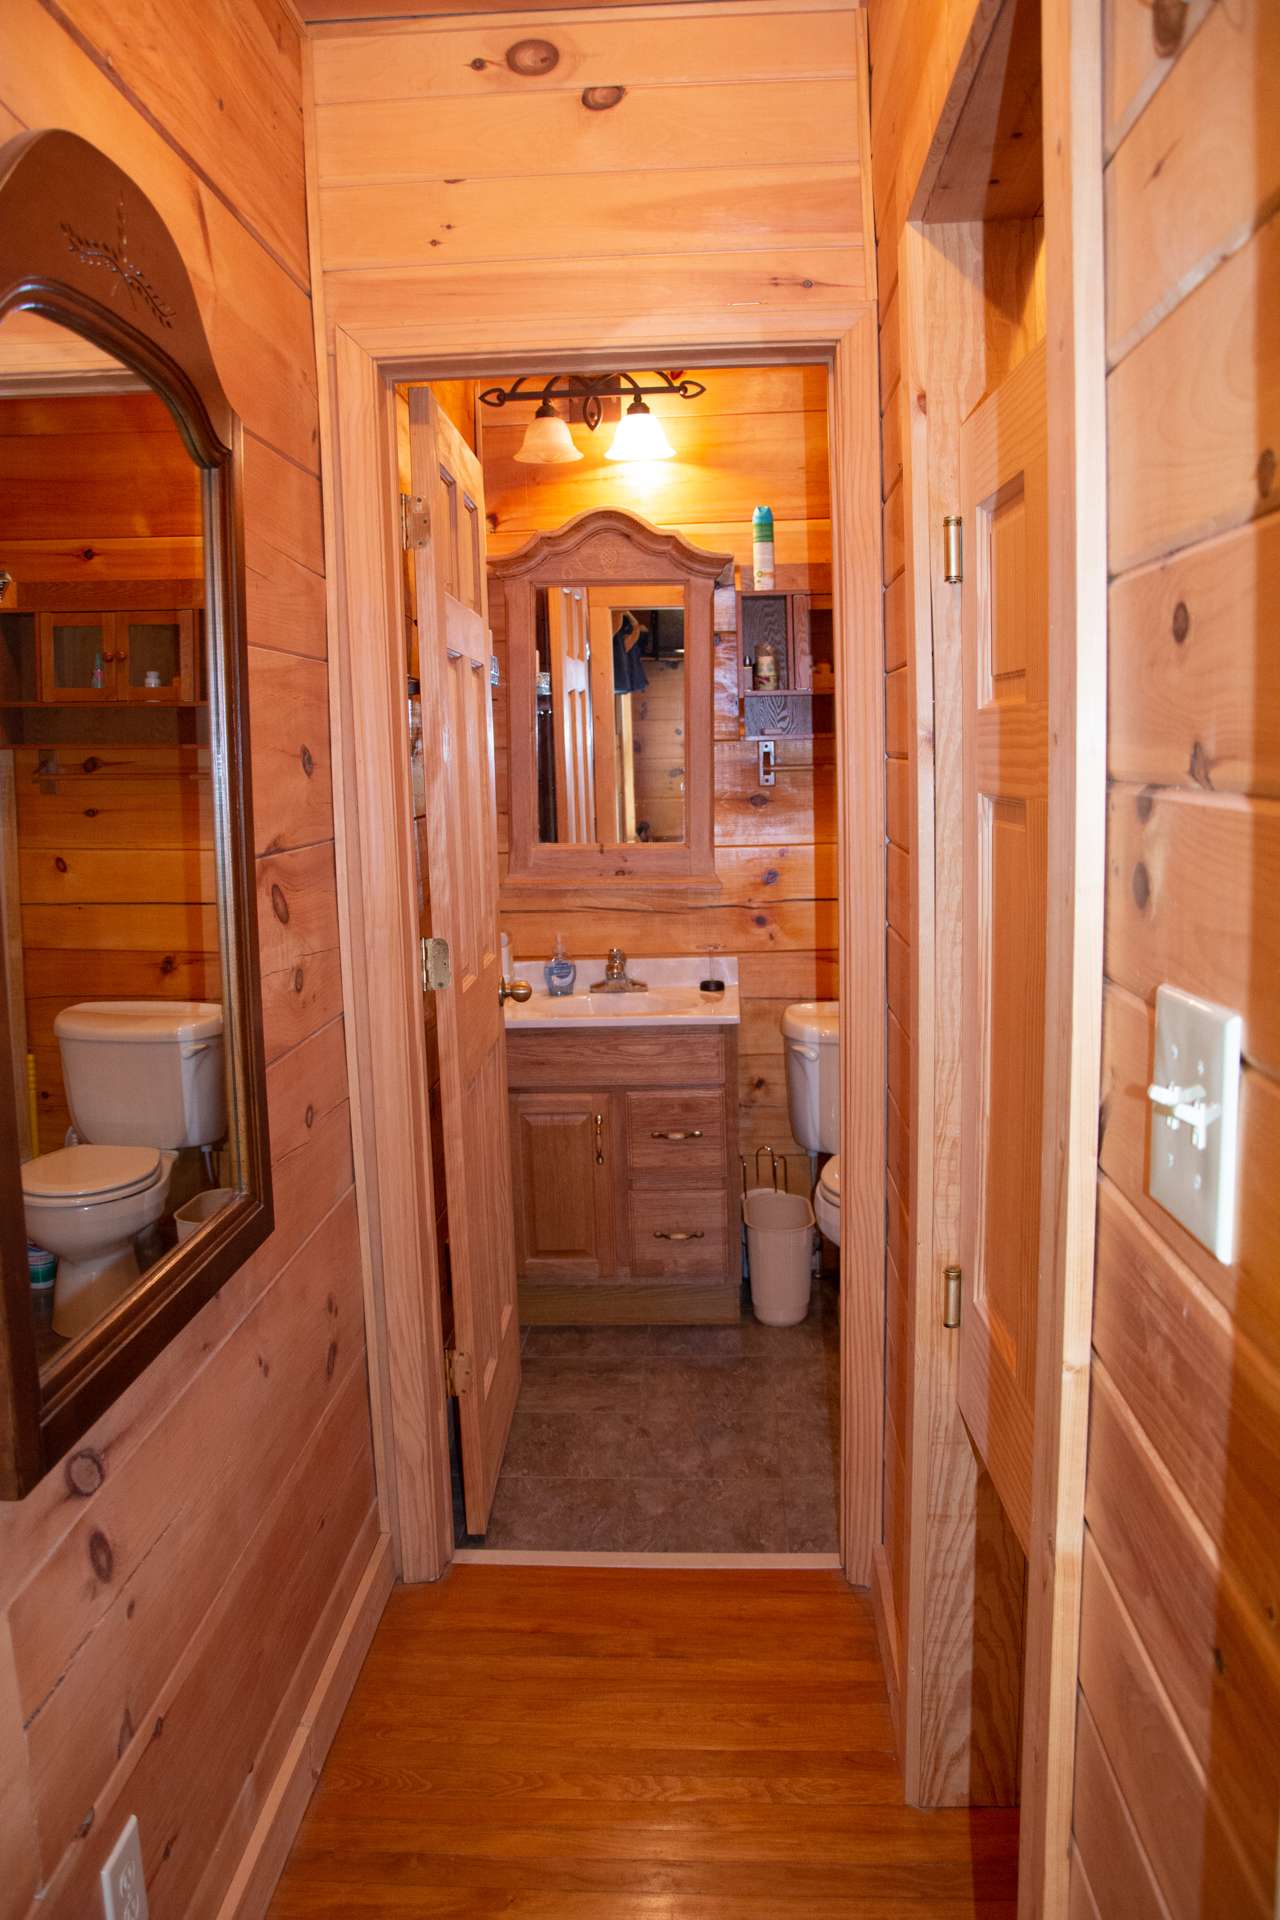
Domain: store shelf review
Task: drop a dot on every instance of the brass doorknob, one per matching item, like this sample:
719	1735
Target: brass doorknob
514	990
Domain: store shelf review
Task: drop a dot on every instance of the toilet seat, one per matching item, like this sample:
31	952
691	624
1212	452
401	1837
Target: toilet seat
88	1175
826	1200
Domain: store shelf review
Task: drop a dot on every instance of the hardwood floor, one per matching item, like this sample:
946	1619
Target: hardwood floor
611	1745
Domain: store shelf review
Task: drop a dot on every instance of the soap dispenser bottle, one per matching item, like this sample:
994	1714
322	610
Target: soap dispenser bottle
560	971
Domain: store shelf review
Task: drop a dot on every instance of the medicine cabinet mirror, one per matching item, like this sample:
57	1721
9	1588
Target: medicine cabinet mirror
134	1166
611	667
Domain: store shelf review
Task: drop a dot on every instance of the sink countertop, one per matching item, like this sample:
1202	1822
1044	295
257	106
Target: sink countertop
672	1000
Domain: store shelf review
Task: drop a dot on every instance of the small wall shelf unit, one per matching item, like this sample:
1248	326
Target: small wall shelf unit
138	666
799	625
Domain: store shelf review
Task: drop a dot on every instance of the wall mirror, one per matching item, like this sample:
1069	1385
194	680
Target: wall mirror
610	650
134	1171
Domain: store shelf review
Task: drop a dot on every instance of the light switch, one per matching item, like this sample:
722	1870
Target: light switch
1195	1113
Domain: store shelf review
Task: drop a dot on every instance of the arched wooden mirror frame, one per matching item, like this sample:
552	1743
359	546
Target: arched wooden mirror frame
82	246
607	547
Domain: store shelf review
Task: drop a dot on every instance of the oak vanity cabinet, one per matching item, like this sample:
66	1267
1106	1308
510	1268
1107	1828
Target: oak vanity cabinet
625	1175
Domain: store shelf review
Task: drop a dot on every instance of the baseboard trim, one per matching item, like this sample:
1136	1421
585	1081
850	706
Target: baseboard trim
254	1881
886	1620
743	1562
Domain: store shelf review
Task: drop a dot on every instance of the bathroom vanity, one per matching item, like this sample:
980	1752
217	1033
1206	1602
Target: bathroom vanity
624	1151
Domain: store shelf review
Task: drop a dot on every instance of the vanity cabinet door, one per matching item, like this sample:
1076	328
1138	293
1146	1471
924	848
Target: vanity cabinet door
562	1151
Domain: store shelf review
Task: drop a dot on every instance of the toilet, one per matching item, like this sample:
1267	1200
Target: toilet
811	1040
129	1066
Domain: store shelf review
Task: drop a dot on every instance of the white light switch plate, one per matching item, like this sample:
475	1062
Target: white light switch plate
1197	1047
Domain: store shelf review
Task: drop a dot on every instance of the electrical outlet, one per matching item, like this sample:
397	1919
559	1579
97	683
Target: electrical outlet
124	1890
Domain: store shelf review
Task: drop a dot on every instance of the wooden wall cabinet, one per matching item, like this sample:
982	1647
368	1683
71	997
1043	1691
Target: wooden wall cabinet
625	1174
105	657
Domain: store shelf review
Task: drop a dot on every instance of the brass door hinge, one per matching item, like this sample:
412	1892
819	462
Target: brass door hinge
415	521
952	549
457	1372
951	1277
437	968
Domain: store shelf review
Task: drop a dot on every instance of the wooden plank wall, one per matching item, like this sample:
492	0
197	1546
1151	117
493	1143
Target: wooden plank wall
94	488
759	434
722	195
115	866
160	1637
1178	1783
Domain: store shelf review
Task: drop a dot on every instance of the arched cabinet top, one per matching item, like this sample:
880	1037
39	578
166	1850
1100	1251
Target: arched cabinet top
607	544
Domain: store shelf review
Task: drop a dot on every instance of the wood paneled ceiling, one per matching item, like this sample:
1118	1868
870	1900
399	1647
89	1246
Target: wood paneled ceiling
316	12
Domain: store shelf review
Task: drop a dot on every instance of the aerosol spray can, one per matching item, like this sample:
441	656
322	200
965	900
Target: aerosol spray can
762	548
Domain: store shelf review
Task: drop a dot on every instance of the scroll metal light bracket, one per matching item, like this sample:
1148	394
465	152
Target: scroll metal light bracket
591	389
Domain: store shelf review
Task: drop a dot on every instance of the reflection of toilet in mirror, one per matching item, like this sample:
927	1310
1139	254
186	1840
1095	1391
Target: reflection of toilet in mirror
811	1038
131	1067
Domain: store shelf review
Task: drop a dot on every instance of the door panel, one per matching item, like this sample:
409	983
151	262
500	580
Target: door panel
462	857
561	1153
567	629
1005	642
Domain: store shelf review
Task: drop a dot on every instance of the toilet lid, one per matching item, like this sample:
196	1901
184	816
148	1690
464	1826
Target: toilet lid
75	1175
829	1179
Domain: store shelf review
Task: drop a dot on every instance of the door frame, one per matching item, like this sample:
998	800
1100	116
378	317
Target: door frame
386	1053
950	1542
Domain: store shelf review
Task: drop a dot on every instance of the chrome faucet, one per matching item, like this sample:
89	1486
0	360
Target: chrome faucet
615	976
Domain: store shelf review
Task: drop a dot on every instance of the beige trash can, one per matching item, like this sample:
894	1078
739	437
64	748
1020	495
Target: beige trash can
779	1254
192	1217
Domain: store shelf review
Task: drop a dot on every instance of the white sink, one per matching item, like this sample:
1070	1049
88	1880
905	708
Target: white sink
672	999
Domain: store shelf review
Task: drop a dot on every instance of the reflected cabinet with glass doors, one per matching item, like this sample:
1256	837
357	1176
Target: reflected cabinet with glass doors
134	1160
610	665
131	655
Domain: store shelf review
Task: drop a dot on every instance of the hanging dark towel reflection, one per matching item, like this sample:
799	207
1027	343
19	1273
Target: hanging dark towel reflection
629	636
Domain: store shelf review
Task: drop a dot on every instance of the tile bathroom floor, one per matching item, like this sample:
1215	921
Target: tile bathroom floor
675	1439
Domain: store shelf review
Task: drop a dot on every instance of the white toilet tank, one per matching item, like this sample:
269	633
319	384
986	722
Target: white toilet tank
811	1039
144	1072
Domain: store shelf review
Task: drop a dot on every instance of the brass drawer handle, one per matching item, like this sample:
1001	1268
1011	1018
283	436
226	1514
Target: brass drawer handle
599	1139
675	1133
658	1234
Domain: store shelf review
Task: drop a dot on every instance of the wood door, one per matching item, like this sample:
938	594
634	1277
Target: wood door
569	637
1003	469
462	854
562	1154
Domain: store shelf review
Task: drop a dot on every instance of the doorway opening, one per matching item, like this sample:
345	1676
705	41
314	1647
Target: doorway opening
663	699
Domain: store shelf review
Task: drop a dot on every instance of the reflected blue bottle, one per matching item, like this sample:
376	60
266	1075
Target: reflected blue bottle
559	972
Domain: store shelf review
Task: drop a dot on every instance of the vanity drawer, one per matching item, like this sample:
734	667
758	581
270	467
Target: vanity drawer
677	1233
676	1137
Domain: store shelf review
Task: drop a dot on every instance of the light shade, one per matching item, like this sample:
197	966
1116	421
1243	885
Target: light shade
640	437
547	441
